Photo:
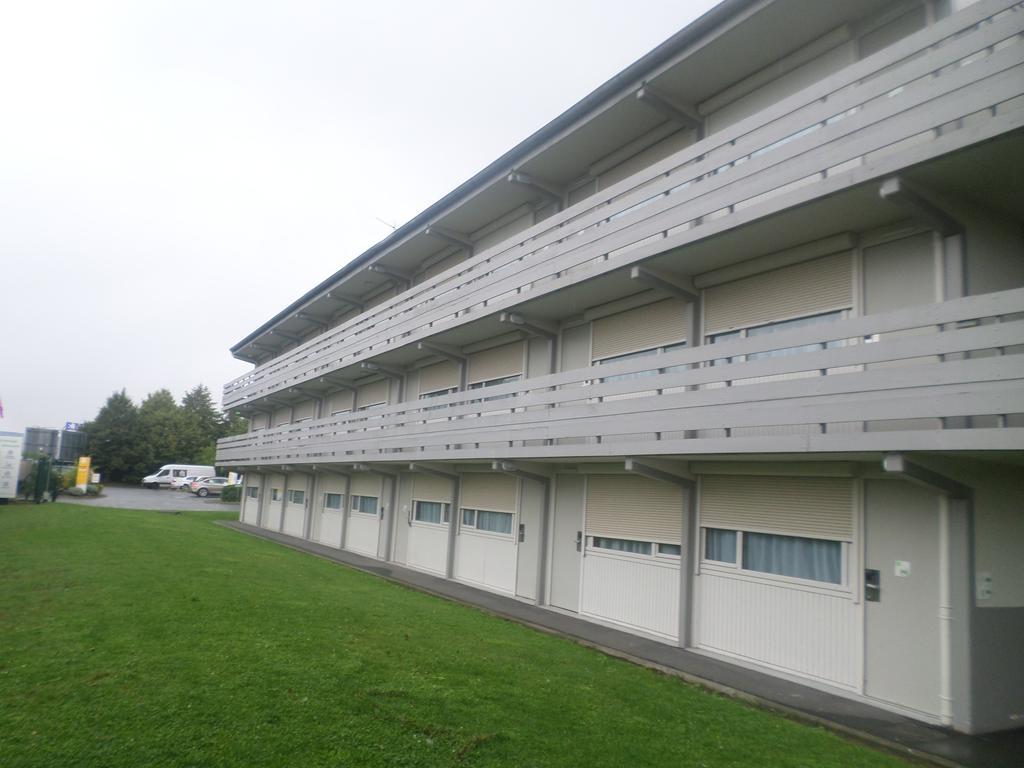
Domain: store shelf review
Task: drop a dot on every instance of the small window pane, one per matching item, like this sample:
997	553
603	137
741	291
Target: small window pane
496	522
428	511
365	504
332	501
252	492
296	497
275	494
670	549
623	545
720	545
794	556
469	517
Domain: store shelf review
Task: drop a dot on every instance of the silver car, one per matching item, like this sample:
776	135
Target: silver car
208	486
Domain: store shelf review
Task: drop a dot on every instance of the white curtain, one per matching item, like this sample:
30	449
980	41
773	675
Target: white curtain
801	558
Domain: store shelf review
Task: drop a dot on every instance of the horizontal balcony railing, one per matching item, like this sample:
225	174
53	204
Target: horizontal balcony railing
936	376
939	90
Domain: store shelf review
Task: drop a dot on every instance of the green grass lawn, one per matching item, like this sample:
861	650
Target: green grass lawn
142	639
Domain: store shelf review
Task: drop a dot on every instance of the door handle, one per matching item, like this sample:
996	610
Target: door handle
579	541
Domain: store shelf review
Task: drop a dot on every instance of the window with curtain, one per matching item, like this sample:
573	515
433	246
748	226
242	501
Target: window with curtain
814	559
431	512
366	505
795	556
332	501
296	497
252	492
720	545
495	383
769	328
621	545
487	520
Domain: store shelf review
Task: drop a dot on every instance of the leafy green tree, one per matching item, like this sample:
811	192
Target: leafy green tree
115	438
160	427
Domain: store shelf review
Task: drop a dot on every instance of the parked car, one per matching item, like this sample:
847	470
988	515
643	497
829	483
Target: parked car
170	472
209	486
183	483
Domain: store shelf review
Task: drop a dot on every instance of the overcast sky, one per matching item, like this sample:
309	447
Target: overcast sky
172	174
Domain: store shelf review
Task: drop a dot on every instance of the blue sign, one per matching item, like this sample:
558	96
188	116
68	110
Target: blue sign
71	426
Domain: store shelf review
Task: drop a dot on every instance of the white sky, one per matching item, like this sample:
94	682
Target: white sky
174	173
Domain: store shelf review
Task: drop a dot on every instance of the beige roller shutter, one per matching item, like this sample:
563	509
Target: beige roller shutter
303	410
630	507
365	484
372	394
496	363
816	507
439	376
489	491
652	325
814	286
431	488
340	402
258	421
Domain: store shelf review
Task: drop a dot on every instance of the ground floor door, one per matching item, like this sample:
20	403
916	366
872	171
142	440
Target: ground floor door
250	502
273	499
427	548
328	510
902	660
566	543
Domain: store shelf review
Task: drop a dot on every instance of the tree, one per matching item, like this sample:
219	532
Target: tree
114	438
201	424
161	427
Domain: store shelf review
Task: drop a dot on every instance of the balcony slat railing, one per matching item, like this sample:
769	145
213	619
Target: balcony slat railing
844	130
952	364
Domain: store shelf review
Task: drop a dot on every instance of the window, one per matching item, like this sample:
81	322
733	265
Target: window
275	494
720	545
179	473
332	501
366	505
486	520
794	556
769	328
437	393
814	559
431	512
642	353
296	497
622	545
252	492
495	383
671	550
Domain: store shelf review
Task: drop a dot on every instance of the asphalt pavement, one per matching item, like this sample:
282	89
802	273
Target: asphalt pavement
163	500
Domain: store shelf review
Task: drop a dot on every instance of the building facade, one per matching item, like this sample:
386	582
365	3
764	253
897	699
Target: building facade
726	355
62	445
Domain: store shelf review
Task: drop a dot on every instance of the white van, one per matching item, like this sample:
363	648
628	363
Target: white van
162	478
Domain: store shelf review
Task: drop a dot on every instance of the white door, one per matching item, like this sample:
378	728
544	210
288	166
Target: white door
902	628
329	509
428	547
486	559
567	542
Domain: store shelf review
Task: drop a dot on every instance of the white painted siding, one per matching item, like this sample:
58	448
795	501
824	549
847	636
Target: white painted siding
486	560
806	631
639	593
428	547
363	532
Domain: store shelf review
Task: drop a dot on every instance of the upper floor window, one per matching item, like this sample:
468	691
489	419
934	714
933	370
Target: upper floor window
642	353
494	383
777	327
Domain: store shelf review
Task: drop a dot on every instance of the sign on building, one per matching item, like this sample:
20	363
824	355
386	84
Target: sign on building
10	461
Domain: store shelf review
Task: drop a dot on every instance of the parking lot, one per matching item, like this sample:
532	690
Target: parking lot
165	500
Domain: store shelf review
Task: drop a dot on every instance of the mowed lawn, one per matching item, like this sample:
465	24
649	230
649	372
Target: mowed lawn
133	638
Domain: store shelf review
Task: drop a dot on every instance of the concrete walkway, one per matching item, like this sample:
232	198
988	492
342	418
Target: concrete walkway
854	718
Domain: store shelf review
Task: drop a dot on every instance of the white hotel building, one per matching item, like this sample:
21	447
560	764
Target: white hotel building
726	355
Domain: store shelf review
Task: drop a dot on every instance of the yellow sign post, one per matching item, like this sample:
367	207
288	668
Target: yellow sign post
82	475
